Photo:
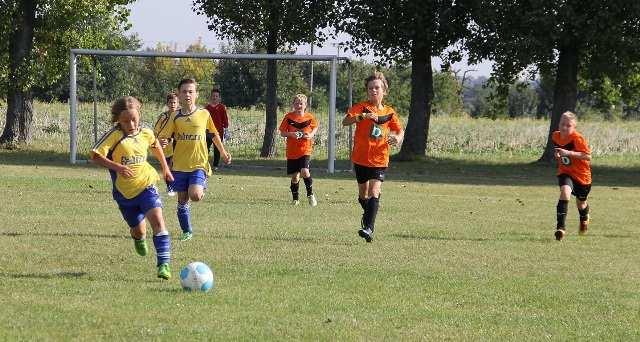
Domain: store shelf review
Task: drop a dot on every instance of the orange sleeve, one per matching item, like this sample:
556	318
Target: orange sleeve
314	122
582	145
354	110
394	124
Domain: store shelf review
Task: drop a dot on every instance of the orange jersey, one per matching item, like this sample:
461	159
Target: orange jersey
578	169
304	123
370	146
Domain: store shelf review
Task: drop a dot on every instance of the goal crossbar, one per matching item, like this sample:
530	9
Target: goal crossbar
333	59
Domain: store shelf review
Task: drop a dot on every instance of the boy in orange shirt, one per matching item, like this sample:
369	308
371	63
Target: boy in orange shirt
299	127
574	172
377	128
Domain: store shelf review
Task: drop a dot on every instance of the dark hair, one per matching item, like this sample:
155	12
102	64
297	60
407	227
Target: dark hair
377	75
187	81
122	104
171	95
215	90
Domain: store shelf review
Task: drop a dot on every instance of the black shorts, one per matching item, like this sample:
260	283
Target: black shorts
295	165
581	191
365	173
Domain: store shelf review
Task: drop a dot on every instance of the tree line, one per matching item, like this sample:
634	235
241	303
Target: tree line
550	56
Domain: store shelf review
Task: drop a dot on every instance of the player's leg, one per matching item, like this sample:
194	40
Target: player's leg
216	157
197	184
139	235
566	185
183	208
308	183
373	203
134	217
161	242
184	215
582	192
293	170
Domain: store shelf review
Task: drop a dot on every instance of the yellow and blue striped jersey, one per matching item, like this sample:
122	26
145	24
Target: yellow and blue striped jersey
161	122
189	130
129	150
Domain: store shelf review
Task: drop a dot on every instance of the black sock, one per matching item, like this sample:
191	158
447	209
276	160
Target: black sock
363	203
294	190
370	212
584	213
561	211
308	183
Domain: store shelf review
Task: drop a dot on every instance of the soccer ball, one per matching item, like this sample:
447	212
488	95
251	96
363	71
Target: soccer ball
196	276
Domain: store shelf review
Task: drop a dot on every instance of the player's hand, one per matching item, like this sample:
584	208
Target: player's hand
168	176
371	116
125	171
306	136
163	142
226	157
393	140
560	152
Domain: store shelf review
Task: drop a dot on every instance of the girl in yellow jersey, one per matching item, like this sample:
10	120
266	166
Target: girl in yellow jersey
123	150
190	166
167	144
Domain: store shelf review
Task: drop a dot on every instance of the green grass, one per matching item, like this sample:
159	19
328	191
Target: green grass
464	248
463	251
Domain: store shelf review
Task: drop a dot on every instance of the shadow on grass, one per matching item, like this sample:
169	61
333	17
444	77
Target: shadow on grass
431	170
52	275
65	234
510	238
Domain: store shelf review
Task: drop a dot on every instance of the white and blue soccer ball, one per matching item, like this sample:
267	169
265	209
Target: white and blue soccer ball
196	276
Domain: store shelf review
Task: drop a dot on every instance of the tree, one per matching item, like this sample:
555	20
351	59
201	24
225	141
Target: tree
599	38
271	24
407	31
36	36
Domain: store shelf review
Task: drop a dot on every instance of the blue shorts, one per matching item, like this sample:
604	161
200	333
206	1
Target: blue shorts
133	210
182	180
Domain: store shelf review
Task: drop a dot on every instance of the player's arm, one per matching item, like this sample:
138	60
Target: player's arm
396	133
395	137
283	130
122	170
560	152
314	130
226	157
156	149
223	152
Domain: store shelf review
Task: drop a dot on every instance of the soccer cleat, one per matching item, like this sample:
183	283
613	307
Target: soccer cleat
366	234
312	200
141	247
295	202
584	225
185	236
164	272
559	234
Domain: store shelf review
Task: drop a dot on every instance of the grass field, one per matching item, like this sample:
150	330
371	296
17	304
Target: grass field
464	251
464	247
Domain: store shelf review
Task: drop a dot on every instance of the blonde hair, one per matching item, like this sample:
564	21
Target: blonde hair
301	97
377	75
569	115
122	104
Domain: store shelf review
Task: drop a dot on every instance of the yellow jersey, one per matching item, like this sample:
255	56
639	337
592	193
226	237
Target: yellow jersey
189	131
131	151
162	120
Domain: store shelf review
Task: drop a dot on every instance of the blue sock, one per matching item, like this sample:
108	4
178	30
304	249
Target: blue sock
162	243
184	217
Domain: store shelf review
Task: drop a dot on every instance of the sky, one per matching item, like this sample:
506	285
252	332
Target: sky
173	22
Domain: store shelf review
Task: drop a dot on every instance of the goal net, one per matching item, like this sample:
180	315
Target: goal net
98	77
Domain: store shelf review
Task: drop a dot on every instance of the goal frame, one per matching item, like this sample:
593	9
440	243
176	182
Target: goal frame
333	59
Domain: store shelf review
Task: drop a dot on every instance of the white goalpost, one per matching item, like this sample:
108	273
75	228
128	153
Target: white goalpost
332	59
